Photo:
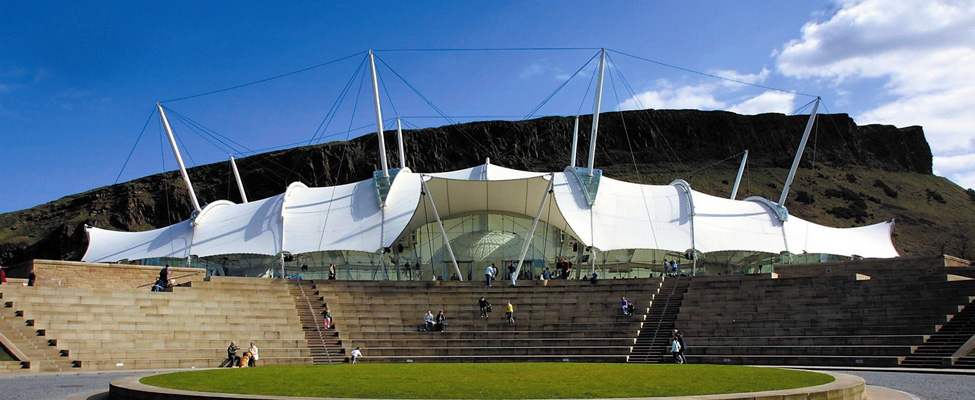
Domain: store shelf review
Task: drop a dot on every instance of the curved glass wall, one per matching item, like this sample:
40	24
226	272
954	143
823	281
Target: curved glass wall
480	240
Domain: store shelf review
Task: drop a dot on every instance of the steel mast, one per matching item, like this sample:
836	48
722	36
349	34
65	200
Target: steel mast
741	170
595	112
240	184
379	117
179	158
802	147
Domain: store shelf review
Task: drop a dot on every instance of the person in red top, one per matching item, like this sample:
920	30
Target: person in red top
3	276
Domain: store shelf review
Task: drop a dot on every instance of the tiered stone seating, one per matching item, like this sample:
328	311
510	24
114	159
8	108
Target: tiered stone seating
188	327
967	362
824	320
10	366
572	320
862	313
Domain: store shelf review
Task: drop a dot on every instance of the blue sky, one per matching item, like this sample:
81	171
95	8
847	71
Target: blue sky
78	82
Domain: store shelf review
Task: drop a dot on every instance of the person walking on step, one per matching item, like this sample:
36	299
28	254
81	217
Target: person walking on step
331	272
488	274
680	340
3	275
510	312
485	307
675	349
327	318
511	273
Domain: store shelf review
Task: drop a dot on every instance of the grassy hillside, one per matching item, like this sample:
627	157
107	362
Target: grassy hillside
850	176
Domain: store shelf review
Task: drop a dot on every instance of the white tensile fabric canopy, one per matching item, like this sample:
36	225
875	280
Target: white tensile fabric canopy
624	216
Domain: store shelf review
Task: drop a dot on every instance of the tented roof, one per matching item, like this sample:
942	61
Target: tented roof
624	216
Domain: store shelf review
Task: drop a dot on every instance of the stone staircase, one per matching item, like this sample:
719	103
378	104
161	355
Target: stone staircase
325	345
653	343
936	352
36	350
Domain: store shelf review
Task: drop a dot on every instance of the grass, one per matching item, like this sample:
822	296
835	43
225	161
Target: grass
489	381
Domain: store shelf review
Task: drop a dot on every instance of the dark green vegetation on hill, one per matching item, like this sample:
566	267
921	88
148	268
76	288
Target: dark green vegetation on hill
850	175
490	381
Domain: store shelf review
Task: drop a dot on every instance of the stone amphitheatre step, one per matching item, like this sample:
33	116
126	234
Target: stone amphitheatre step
182	362
513	340
847	361
810	340
155	354
218	344
12	366
827	350
109	326
565	351
494	358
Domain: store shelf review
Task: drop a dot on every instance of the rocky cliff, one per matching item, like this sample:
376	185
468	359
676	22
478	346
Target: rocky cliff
850	174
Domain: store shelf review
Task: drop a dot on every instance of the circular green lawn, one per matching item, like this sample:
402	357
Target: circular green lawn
489	381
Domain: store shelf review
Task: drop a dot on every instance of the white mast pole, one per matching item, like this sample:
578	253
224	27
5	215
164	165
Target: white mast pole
443	231
379	117
179	158
531	232
595	112
802	147
575	142
240	184
741	170
399	139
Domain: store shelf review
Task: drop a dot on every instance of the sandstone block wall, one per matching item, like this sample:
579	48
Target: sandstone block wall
104	276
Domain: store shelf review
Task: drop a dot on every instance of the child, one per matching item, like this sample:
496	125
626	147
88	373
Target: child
327	318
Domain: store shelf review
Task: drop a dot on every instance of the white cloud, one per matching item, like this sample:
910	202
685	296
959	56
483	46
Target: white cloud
767	102
709	97
530	71
536	69
737	77
669	97
960	169
922	50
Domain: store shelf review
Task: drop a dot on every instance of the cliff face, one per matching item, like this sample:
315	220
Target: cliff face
641	146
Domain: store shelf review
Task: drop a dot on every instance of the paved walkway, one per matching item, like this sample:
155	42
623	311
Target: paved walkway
57	386
922	384
934	385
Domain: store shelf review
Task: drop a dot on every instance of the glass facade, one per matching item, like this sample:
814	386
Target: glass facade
480	240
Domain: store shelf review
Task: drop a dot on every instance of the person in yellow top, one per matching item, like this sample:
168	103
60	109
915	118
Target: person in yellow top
511	313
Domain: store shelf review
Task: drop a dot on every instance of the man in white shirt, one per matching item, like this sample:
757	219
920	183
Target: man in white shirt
356	353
